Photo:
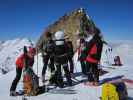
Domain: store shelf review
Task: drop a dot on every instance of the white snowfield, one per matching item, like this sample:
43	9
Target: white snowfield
80	91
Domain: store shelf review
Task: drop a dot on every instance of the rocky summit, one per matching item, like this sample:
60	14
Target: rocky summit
72	24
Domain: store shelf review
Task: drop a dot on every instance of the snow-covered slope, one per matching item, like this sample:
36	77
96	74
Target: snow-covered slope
9	50
81	92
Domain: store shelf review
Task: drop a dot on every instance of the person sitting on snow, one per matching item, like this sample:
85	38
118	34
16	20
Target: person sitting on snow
20	64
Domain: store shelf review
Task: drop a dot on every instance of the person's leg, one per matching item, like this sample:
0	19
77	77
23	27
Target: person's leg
71	64
96	73
16	80
51	65
53	76
83	67
90	73
59	80
45	63
67	74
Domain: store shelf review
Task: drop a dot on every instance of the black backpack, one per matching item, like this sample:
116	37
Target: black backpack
50	47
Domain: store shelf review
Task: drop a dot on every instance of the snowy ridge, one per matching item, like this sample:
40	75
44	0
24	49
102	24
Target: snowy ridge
9	50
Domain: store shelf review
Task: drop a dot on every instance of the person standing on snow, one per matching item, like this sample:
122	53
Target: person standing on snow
48	54
20	64
70	53
81	53
94	49
61	53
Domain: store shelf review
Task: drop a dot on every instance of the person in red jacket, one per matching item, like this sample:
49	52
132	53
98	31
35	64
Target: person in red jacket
94	49
20	64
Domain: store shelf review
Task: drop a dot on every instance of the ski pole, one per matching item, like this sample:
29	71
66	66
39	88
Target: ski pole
37	61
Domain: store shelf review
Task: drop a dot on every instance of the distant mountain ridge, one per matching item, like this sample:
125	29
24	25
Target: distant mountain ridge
10	49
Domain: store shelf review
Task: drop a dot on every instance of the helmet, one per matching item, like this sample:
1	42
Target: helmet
59	35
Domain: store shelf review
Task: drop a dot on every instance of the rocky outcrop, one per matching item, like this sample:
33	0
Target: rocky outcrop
72	24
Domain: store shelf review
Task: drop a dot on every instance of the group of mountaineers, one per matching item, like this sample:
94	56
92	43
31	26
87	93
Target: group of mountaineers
57	53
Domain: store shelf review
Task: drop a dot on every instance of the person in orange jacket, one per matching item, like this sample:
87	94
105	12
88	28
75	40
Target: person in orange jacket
20	64
94	49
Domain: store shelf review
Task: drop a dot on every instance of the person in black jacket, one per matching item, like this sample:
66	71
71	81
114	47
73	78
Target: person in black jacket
48	54
70	54
61	53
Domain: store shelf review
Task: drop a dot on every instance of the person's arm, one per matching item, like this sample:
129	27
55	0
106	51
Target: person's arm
99	51
71	49
44	47
20	62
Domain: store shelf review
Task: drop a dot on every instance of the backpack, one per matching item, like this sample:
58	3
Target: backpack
31	82
114	91
50	47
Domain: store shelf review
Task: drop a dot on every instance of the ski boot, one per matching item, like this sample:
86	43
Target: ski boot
14	93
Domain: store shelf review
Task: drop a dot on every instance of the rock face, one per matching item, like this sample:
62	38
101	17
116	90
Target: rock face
72	24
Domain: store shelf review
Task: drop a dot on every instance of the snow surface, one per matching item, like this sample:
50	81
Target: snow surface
81	92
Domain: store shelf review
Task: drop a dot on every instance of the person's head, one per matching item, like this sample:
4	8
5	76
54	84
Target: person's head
67	38
82	41
80	35
48	35
31	52
89	30
59	35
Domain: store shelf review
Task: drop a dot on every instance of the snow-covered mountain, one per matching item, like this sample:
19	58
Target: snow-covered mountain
9	50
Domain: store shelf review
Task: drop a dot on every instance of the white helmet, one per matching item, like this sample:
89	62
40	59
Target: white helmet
59	35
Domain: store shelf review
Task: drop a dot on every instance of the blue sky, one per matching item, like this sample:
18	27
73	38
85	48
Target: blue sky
28	18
